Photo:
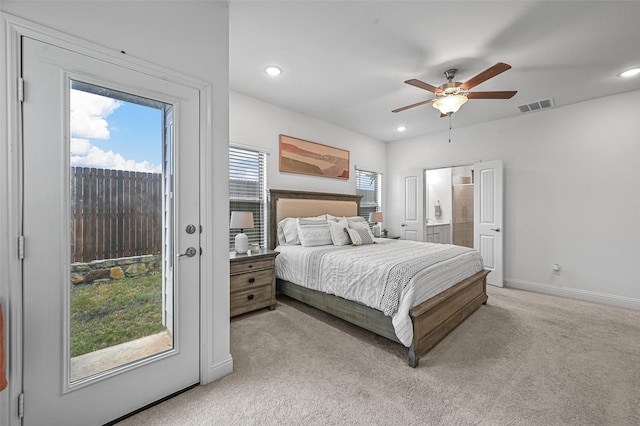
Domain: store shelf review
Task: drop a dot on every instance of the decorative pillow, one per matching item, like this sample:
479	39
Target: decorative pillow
288	230
359	223
314	232
339	234
360	237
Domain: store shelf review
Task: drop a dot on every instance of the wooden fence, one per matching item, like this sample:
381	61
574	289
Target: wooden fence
115	214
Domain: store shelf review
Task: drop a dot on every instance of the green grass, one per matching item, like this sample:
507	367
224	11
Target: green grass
114	312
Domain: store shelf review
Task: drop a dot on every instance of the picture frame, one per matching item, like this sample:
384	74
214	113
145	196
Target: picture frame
311	158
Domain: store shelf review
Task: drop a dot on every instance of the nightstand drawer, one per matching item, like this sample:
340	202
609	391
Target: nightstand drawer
251	279
250	266
251	296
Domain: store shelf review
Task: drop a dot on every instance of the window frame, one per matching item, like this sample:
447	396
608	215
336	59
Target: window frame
367	205
242	197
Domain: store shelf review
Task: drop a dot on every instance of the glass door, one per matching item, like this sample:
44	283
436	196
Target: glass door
111	268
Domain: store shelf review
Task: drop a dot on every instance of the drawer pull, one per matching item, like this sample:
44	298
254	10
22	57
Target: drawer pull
250	266
250	297
252	280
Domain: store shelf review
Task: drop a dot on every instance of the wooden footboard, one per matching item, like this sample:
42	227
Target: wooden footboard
432	319
438	316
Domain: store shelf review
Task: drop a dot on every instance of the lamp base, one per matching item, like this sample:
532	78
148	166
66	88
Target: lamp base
376	230
242	243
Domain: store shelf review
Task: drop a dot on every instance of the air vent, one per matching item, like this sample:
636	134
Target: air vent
536	106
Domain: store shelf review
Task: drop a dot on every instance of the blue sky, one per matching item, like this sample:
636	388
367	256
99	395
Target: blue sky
112	134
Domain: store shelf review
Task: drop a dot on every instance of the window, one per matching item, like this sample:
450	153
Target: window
247	192
369	185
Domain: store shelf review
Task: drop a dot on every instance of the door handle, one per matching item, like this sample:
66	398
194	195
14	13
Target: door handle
190	252
403	224
496	229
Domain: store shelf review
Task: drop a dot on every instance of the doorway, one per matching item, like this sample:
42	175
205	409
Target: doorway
68	220
448	194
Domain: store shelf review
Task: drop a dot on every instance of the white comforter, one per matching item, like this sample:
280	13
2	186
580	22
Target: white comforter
391	276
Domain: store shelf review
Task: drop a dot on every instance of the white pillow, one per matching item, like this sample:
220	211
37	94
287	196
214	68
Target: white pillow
339	234
360	237
359	223
314	232
288	230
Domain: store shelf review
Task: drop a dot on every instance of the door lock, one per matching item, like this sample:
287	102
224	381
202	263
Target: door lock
190	252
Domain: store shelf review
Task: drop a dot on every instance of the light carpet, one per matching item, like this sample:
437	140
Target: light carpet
523	359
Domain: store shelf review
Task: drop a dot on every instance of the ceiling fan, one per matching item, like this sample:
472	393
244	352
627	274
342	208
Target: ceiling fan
452	95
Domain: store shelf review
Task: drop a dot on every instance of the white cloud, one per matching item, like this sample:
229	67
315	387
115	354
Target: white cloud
80	147
88	121
95	157
88	114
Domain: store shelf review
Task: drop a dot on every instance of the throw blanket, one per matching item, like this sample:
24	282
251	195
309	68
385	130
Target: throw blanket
391	276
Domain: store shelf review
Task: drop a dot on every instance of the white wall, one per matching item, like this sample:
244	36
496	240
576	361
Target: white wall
190	38
439	189
571	193
258	124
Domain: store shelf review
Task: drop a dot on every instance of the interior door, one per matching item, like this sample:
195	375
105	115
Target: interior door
102	384
488	212
412	219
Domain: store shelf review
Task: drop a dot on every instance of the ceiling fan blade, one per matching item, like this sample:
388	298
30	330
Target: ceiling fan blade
413	105
423	85
485	75
506	94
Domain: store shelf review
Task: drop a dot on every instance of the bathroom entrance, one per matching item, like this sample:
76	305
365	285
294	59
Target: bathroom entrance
449	205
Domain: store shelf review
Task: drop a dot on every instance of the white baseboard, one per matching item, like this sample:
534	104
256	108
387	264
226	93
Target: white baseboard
574	293
217	370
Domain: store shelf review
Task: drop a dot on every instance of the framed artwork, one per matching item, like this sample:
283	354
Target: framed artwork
310	158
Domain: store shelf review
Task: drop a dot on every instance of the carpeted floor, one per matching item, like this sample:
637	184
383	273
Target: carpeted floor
523	359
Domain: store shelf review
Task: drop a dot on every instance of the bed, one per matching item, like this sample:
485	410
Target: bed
430	320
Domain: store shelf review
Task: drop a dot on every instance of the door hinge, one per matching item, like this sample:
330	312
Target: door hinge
20	89
21	247
21	405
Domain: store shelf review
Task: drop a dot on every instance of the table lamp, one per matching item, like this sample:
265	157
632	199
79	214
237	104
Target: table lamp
377	218
241	220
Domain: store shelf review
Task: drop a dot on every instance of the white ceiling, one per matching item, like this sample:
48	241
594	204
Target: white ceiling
345	62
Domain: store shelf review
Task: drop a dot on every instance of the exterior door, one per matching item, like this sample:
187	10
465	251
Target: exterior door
488	211
100	242
412	219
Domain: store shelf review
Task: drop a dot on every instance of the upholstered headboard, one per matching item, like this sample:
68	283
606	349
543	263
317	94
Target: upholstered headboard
286	203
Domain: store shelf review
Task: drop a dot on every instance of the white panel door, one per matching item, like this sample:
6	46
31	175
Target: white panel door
412	228
488	212
61	388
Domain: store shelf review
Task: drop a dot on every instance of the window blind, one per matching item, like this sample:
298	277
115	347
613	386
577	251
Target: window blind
247	192
369	185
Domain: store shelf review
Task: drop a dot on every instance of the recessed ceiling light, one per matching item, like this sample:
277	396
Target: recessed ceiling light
273	71
630	73
401	128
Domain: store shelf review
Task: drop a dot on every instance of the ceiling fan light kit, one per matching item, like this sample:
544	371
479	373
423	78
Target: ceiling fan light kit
450	104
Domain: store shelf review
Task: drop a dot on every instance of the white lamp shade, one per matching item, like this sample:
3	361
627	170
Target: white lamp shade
241	220
375	217
450	103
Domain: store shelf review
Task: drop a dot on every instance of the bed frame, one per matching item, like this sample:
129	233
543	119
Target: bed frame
432	320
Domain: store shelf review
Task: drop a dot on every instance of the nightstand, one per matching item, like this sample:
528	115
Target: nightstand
391	237
252	281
